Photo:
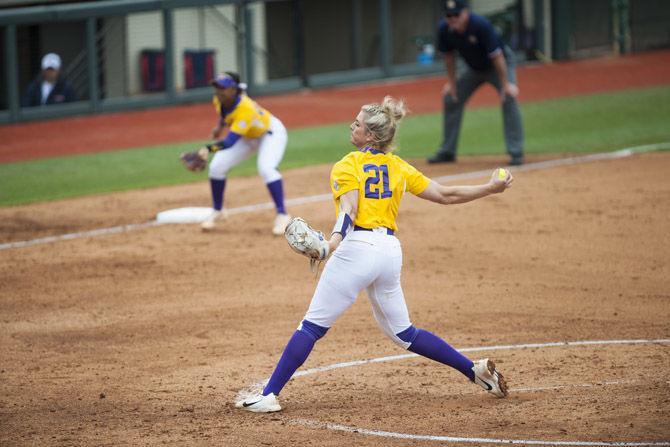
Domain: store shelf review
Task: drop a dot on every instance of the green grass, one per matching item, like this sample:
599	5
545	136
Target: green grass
593	123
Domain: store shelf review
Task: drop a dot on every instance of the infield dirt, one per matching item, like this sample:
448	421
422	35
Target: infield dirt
146	337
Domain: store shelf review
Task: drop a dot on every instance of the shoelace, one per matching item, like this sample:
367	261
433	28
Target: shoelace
314	266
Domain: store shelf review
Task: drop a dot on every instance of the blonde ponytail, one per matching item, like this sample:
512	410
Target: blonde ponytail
382	121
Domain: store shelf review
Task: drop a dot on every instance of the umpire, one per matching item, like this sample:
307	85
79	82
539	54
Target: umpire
487	59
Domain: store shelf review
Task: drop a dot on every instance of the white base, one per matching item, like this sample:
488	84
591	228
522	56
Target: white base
184	215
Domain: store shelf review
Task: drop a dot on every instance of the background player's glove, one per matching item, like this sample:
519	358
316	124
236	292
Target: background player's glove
305	240
194	161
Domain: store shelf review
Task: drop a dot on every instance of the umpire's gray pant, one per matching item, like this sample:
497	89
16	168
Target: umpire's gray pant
467	82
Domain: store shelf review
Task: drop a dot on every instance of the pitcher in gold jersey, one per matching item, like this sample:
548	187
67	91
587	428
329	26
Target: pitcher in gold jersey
367	186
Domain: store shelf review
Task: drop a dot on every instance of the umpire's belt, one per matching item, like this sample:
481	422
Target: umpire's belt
376	230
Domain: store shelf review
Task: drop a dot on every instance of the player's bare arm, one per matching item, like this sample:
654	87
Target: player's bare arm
219	129
449	195
216	131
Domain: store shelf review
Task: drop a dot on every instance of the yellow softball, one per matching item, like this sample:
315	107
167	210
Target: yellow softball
502	173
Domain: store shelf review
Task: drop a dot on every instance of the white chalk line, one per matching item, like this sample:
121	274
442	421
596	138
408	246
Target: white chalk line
454	439
397	435
82	234
393	358
627	152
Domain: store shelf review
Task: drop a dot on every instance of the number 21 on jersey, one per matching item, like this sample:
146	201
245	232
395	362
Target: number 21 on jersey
376	175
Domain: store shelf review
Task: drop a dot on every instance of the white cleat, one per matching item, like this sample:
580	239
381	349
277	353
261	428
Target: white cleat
280	223
210	222
488	378
260	404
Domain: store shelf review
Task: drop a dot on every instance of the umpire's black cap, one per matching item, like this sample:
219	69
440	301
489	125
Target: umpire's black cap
454	6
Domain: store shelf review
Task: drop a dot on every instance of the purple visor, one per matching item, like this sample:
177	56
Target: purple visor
223	81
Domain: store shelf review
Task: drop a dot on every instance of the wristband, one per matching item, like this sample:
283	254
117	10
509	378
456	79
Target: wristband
343	224
227	142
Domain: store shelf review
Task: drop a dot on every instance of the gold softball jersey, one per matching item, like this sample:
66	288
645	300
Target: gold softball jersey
381	180
246	118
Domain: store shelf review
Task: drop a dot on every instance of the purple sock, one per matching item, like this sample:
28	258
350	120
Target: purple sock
276	189
217	187
431	346
295	353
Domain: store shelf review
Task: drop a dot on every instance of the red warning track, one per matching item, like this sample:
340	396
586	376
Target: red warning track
175	124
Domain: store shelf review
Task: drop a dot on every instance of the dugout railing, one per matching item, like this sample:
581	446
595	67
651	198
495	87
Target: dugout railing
277	45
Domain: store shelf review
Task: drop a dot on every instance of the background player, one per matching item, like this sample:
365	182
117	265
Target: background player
367	187
250	128
486	60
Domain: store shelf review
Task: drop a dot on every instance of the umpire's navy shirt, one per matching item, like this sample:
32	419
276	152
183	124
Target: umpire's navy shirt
476	45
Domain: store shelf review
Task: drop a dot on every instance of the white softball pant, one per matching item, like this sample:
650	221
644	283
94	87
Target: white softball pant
270	147
370	260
